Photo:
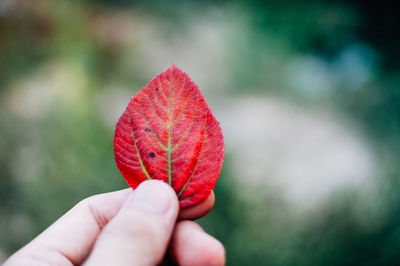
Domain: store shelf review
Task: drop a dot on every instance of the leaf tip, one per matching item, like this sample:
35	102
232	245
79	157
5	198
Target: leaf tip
174	68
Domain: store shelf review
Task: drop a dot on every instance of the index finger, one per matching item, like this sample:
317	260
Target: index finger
72	236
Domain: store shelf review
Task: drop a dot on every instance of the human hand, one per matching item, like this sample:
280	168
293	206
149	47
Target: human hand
126	227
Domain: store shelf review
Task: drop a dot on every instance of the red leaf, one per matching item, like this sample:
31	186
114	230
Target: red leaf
168	132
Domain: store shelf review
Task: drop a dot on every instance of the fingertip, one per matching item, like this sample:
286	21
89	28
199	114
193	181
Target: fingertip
154	196
190	245
199	210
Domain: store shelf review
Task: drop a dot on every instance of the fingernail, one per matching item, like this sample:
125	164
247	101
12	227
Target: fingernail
153	196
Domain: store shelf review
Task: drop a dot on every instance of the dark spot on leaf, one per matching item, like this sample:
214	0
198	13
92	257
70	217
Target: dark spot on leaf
156	89
152	155
147	130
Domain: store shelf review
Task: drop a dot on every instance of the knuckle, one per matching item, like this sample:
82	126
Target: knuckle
89	205
85	202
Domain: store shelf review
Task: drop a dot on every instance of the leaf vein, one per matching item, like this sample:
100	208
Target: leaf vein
194	169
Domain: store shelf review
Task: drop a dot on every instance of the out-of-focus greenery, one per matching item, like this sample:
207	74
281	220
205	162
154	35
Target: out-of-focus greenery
63	64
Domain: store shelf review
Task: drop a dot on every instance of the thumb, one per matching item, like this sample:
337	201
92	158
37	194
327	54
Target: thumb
140	232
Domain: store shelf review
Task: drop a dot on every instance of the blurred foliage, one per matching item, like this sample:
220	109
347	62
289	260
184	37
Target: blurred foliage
56	152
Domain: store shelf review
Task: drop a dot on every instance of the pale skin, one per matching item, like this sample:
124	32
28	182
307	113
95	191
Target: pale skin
126	227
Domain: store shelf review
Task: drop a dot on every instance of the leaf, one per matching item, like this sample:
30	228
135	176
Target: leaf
168	133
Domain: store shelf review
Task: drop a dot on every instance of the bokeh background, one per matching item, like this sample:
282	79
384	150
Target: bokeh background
307	93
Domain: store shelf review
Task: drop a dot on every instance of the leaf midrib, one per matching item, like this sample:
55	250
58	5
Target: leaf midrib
169	135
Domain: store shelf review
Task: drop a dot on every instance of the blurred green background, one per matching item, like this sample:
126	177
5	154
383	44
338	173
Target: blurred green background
307	93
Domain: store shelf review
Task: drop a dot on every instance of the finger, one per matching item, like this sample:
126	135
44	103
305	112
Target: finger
139	234
198	210
190	245
72	236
